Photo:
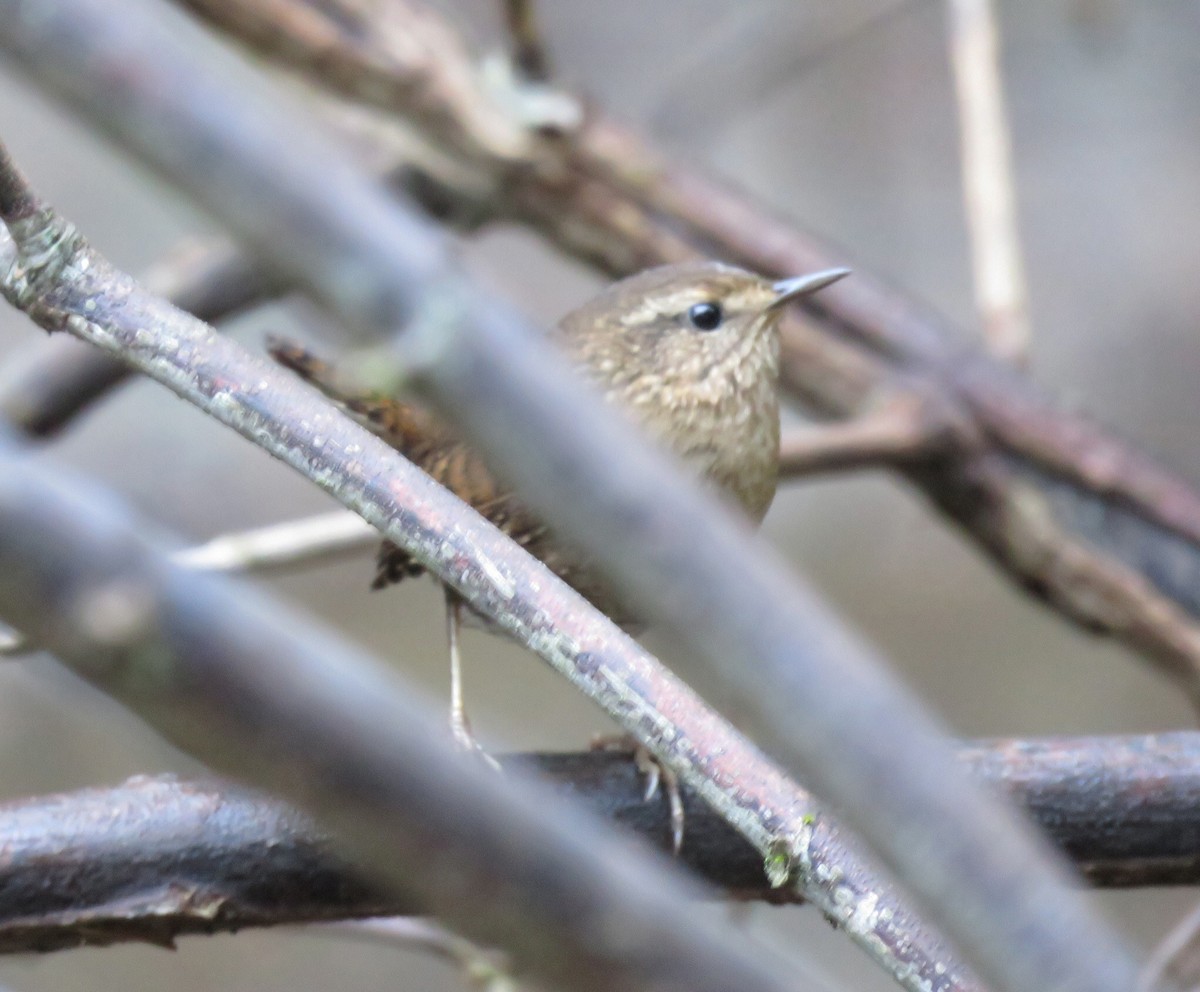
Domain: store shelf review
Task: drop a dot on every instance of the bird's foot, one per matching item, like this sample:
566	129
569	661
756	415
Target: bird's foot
659	778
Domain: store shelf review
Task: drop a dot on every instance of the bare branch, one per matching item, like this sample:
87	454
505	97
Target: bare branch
987	179
157	858
383	65
865	745
313	540
44	389
893	434
309	541
486	970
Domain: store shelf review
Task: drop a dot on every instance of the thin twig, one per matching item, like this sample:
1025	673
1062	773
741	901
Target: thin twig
987	179
884	437
484	969
309	541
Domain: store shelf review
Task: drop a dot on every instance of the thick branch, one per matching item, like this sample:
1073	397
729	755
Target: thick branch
156	858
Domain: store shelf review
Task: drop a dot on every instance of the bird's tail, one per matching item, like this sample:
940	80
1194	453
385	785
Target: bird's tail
322	374
404	427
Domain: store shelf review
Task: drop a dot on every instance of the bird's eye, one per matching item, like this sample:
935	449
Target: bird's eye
705	316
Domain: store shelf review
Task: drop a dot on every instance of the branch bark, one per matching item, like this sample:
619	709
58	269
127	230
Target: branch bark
157	858
45	389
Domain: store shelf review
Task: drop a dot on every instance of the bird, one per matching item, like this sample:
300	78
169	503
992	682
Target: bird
690	351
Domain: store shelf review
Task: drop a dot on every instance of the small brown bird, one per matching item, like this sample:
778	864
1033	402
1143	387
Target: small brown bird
690	350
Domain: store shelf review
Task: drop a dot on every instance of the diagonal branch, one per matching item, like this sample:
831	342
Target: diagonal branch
44	389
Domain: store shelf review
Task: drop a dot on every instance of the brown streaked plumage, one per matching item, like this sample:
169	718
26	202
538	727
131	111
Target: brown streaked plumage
706	393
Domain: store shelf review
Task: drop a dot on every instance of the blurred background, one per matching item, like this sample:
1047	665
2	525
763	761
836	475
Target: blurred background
841	114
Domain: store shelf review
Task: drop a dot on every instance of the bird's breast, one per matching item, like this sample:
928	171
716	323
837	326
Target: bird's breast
728	437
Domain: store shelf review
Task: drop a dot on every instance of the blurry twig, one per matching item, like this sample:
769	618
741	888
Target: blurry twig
1174	966
378	53
528	50
987	179
892	434
484	969
310	541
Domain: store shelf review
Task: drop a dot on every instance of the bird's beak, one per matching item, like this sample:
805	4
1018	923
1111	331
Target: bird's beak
793	289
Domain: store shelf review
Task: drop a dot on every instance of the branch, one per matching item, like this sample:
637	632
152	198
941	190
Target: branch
308	541
157	858
265	549
44	389
895	434
865	744
485	969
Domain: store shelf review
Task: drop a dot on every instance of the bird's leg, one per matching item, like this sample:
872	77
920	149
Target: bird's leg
658	778
460	726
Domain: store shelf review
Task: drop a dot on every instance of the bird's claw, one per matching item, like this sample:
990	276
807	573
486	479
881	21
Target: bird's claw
658	778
